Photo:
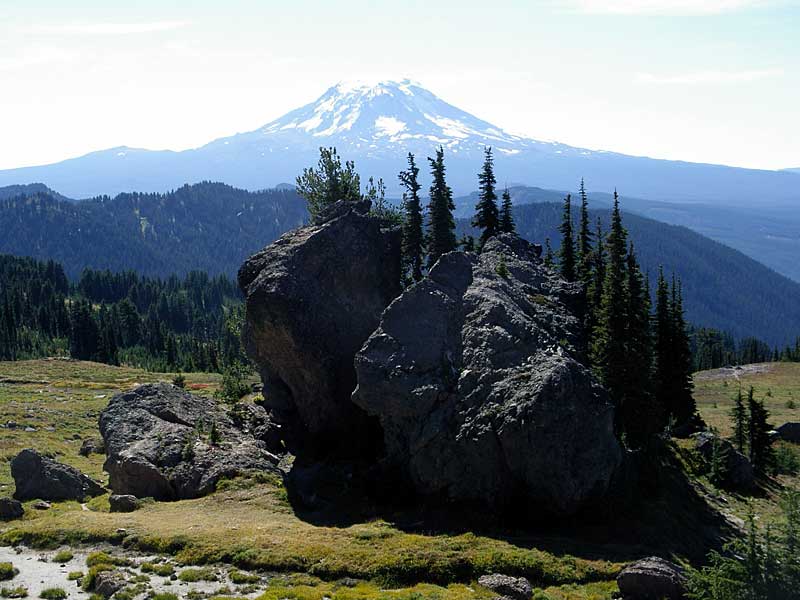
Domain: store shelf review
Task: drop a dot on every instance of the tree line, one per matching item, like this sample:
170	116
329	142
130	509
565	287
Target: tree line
172	324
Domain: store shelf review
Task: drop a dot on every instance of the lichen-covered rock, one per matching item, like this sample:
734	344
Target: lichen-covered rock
737	471
475	376
515	588
652	578
160	443
37	476
313	297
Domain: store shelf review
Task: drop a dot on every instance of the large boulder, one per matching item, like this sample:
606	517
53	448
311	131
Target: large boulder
477	379
313	297
652	578
37	476
165	443
737	471
790	432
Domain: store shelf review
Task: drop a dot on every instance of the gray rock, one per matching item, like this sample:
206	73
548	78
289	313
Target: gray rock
108	583
479	389
515	588
41	505
738	471
123	503
790	432
158	444
313	297
652	578
341	208
37	476
10	509
92	446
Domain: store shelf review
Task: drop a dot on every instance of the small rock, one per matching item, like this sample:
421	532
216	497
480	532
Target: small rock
516	588
12	425
123	503
108	583
92	446
41	505
30	429
10	509
652	578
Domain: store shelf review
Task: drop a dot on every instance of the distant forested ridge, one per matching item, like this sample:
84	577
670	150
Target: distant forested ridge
172	324
213	227
209	227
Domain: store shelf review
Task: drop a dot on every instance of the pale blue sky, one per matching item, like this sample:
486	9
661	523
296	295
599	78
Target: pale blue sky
698	80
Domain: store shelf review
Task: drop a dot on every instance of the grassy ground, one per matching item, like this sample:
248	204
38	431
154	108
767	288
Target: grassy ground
778	385
61	401
253	525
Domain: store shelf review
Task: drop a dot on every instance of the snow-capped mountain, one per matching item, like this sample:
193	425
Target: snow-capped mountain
377	125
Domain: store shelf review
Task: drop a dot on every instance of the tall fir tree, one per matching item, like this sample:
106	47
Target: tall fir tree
739	421
758	428
598	276
487	215
507	224
663	343
584	240
640	415
566	253
441	235
684	407
608	344
413	238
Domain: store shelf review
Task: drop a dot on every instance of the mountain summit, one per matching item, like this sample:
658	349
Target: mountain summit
376	125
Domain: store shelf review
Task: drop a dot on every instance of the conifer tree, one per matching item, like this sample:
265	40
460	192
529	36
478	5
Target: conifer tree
684	407
441	226
467	243
487	215
549	257
608	344
598	276
506	214
663	343
584	240
413	239
329	182
640	414
567	251
758	428
739	418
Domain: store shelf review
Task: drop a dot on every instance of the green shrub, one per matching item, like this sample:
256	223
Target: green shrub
238	577
234	382
54	593
104	558
502	269
787	460
179	380
193	575
162	569
17	592
63	556
164	596
7	571
74	575
790	404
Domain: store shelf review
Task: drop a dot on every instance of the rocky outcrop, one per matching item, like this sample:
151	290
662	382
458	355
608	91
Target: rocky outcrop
737	472
652	579
10	509
165	443
511	588
313	297
476	378
37	476
790	432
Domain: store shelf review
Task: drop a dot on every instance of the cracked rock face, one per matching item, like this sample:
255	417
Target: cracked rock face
159	444
474	377
313	297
